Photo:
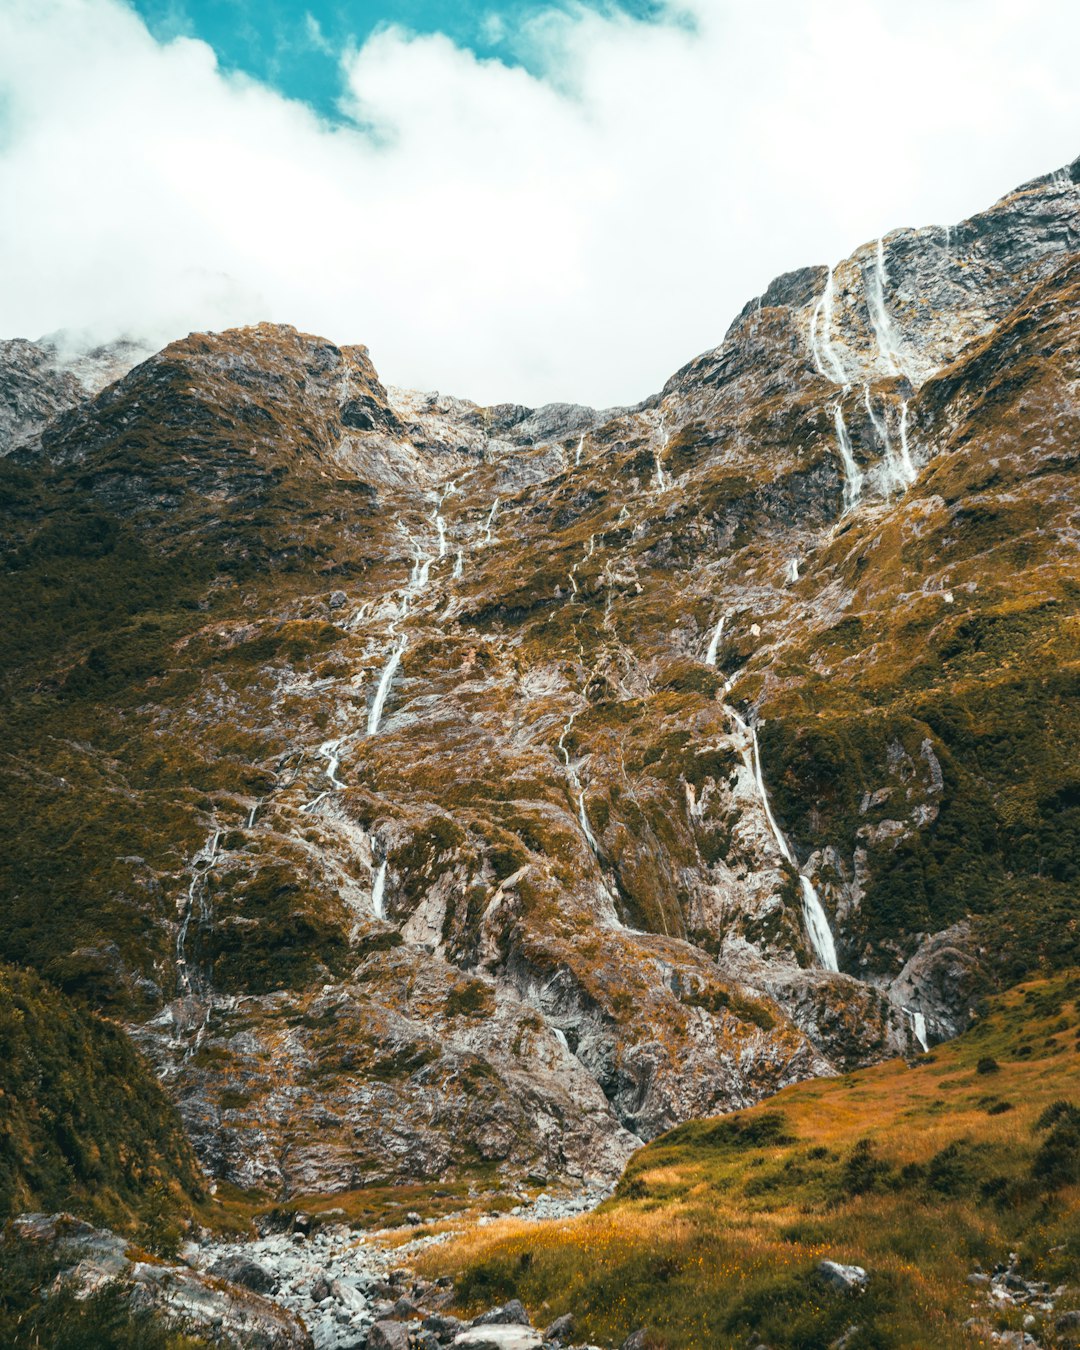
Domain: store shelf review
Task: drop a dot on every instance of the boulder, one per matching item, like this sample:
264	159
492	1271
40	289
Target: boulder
240	1270
496	1336
843	1278
561	1330
388	1336
509	1314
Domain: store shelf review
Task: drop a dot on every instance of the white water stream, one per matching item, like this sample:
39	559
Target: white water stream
888	346
490	521
385	680
714	641
815	919
575	783
853	476
821	346
378	892
662	481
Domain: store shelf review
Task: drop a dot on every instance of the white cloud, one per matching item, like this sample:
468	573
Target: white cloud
574	233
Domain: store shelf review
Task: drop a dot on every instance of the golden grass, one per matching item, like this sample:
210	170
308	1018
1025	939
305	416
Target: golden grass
712	1238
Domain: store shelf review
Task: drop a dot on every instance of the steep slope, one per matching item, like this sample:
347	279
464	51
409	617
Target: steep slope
82	1121
920	1175
393	765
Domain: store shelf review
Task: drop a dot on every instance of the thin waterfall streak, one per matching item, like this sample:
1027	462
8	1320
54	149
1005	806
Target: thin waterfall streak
490	521
853	476
714	641
821	347
375	715
378	892
906	462
888	346
815	920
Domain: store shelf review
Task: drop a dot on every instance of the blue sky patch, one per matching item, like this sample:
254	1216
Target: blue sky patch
295	45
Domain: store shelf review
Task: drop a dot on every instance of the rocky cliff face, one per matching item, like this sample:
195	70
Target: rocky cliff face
440	787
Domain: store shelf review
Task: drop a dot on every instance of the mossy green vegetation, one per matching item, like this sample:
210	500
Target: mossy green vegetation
83	1123
920	1172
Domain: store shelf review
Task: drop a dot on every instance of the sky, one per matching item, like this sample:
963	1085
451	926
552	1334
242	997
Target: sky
513	201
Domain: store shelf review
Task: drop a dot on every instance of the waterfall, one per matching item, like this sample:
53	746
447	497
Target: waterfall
459	565
853	477
907	464
251	816
375	715
440	526
879	424
490	521
575	783
918	1027
201	864
793	570
577	452
815	920
714	641
821	346
879	314
329	751
378	892
661	478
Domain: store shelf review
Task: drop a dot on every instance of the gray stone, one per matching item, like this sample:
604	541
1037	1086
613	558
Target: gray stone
561	1330
512	1313
499	1337
239	1270
388	1336
844	1278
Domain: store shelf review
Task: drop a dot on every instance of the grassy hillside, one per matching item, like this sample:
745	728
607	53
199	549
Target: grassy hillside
83	1123
919	1172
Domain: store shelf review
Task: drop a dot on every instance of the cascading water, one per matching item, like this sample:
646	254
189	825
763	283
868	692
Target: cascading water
821	346
662	481
793	571
815	919
378	891
459	565
575	783
888	346
389	670
918	1027
577	452
853	476
201	865
714	641
490	521
907	464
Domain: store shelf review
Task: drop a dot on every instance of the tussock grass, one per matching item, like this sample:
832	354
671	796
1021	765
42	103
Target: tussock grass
714	1234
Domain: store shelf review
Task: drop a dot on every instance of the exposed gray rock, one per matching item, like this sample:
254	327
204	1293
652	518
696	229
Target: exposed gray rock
239	1270
844	1278
388	1336
498	1337
207	1304
512	1313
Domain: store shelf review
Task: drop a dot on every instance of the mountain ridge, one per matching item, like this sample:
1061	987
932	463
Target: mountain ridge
472	769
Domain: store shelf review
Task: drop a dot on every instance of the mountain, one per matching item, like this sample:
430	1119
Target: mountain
443	791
